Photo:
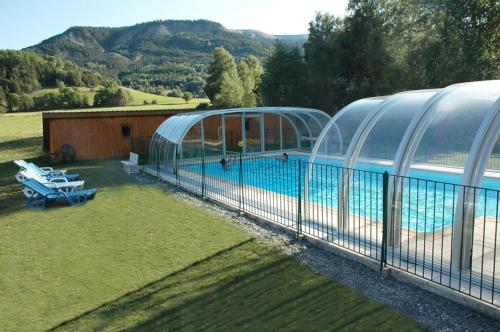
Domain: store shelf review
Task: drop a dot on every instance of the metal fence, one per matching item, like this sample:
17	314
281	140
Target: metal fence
407	223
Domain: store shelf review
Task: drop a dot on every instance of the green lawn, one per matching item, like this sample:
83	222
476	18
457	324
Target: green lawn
140	96
138	257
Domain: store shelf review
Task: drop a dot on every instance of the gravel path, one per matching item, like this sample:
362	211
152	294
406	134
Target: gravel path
431	311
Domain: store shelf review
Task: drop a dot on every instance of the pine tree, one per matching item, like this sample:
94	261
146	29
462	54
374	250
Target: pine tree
231	91
222	62
250	72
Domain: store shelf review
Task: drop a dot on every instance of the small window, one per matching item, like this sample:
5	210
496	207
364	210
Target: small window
126	131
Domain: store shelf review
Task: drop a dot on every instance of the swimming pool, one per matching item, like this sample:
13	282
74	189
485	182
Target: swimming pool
428	198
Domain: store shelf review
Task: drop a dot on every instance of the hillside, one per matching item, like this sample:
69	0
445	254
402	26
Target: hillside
170	54
25	72
139	98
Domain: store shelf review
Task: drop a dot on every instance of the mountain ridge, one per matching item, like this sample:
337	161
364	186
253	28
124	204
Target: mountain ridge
167	53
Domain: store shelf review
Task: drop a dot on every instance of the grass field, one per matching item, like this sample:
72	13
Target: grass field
138	98
139	258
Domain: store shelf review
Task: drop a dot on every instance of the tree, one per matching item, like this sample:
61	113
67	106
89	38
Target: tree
324	55
187	96
231	90
112	96
26	103
250	72
284	79
60	85
13	102
222	62
3	102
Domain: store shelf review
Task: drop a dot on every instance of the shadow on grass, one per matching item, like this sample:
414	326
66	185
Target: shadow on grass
245	287
21	143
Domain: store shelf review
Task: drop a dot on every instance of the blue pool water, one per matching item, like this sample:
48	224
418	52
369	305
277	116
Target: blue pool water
427	205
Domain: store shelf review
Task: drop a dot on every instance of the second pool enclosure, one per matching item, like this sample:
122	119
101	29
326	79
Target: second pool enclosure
194	135
434	213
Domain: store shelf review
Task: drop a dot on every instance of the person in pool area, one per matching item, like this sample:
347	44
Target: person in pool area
224	163
284	156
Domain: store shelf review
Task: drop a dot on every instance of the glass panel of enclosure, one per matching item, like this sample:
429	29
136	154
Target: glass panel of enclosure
382	142
234	138
212	127
304	133
191	144
342	127
313	123
456	118
272	136
494	160
290	139
491	177
252	133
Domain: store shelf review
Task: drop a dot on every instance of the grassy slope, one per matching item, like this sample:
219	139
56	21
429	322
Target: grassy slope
138	97
138	257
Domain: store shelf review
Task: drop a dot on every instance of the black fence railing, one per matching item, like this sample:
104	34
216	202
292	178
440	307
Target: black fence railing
442	232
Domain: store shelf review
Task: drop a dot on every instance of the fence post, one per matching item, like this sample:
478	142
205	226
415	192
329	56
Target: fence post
176	168
299	201
385	192
203	175
240	175
157	162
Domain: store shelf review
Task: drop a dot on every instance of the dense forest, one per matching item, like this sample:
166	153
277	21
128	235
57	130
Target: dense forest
23	72
160	55
382	47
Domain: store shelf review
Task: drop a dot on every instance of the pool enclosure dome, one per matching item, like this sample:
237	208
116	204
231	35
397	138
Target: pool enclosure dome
194	135
451	130
448	135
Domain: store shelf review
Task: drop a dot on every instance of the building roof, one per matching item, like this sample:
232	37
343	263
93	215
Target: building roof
97	113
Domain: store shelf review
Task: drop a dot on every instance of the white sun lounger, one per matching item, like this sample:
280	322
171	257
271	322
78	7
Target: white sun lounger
57	183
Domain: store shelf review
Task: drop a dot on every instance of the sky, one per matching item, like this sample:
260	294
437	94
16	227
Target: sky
27	22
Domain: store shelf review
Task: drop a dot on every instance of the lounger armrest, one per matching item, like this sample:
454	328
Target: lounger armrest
20	177
65	187
46	169
57	173
58	180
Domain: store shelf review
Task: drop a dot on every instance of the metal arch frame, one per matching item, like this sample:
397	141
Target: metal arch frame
416	130
343	197
300	134
312	117
297	133
317	122
364	130
479	153
240	110
352	153
404	155
371	120
321	137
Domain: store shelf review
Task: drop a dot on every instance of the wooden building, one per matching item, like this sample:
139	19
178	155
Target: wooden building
100	134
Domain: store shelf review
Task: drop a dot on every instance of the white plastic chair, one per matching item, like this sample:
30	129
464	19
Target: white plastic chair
131	165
